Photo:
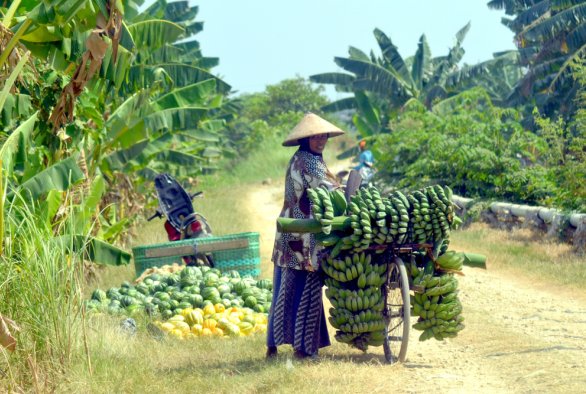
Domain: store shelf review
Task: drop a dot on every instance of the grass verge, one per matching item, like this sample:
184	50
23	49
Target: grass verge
526	255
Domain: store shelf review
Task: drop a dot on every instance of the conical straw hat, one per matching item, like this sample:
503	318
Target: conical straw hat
311	124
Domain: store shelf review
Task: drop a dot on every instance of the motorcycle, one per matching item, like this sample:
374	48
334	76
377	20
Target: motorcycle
182	221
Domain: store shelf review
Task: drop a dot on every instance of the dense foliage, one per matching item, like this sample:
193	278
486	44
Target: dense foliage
90	109
273	112
483	151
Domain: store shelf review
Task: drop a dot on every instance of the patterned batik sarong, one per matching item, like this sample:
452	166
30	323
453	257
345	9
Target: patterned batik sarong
297	314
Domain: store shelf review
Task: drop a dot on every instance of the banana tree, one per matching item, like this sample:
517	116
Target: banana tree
389	81
551	37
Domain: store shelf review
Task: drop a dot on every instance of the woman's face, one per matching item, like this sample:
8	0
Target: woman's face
317	143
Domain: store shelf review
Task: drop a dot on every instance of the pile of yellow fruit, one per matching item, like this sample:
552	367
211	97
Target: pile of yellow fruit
215	320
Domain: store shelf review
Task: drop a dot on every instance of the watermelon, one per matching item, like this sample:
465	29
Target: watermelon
224	288
250	301
127	300
154	277
265	284
99	295
210	292
161	286
173	279
240	287
195	299
161	295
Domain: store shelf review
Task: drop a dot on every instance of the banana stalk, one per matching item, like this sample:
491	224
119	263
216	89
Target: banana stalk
289	225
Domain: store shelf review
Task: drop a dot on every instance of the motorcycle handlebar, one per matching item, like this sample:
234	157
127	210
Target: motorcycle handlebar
157	214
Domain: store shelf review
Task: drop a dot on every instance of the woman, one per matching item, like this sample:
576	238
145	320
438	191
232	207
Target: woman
297	315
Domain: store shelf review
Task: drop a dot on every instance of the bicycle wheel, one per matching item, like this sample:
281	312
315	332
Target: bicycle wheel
397	312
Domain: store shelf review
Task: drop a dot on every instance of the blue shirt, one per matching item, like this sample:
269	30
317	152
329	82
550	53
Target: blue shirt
365	156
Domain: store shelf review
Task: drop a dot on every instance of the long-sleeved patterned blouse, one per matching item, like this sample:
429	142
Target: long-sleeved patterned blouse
295	250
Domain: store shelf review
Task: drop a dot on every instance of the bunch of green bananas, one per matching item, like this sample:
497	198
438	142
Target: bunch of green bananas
451	261
376	219
325	205
354	290
432	214
436	303
423	216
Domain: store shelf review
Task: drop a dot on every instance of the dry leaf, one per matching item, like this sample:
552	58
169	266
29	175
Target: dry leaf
6	338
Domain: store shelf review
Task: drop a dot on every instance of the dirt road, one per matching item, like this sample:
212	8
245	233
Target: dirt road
519	336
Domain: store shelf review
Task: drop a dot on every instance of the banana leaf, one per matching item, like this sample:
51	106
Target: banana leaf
565	20
117	160
141	76
187	96
16	106
154	34
94	249
90	203
421	63
180	158
340	105
12	144
369	113
213	125
211	152
59	176
357	54
333	78
391	54
174	118
10	81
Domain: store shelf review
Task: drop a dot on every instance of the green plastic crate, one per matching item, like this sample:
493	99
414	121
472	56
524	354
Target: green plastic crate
238	252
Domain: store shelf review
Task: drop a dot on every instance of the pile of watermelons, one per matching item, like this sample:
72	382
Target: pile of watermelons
165	295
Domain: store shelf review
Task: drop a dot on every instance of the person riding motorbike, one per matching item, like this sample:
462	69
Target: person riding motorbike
365	165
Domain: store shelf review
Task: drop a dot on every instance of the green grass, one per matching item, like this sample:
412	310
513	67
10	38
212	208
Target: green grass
41	290
524	254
